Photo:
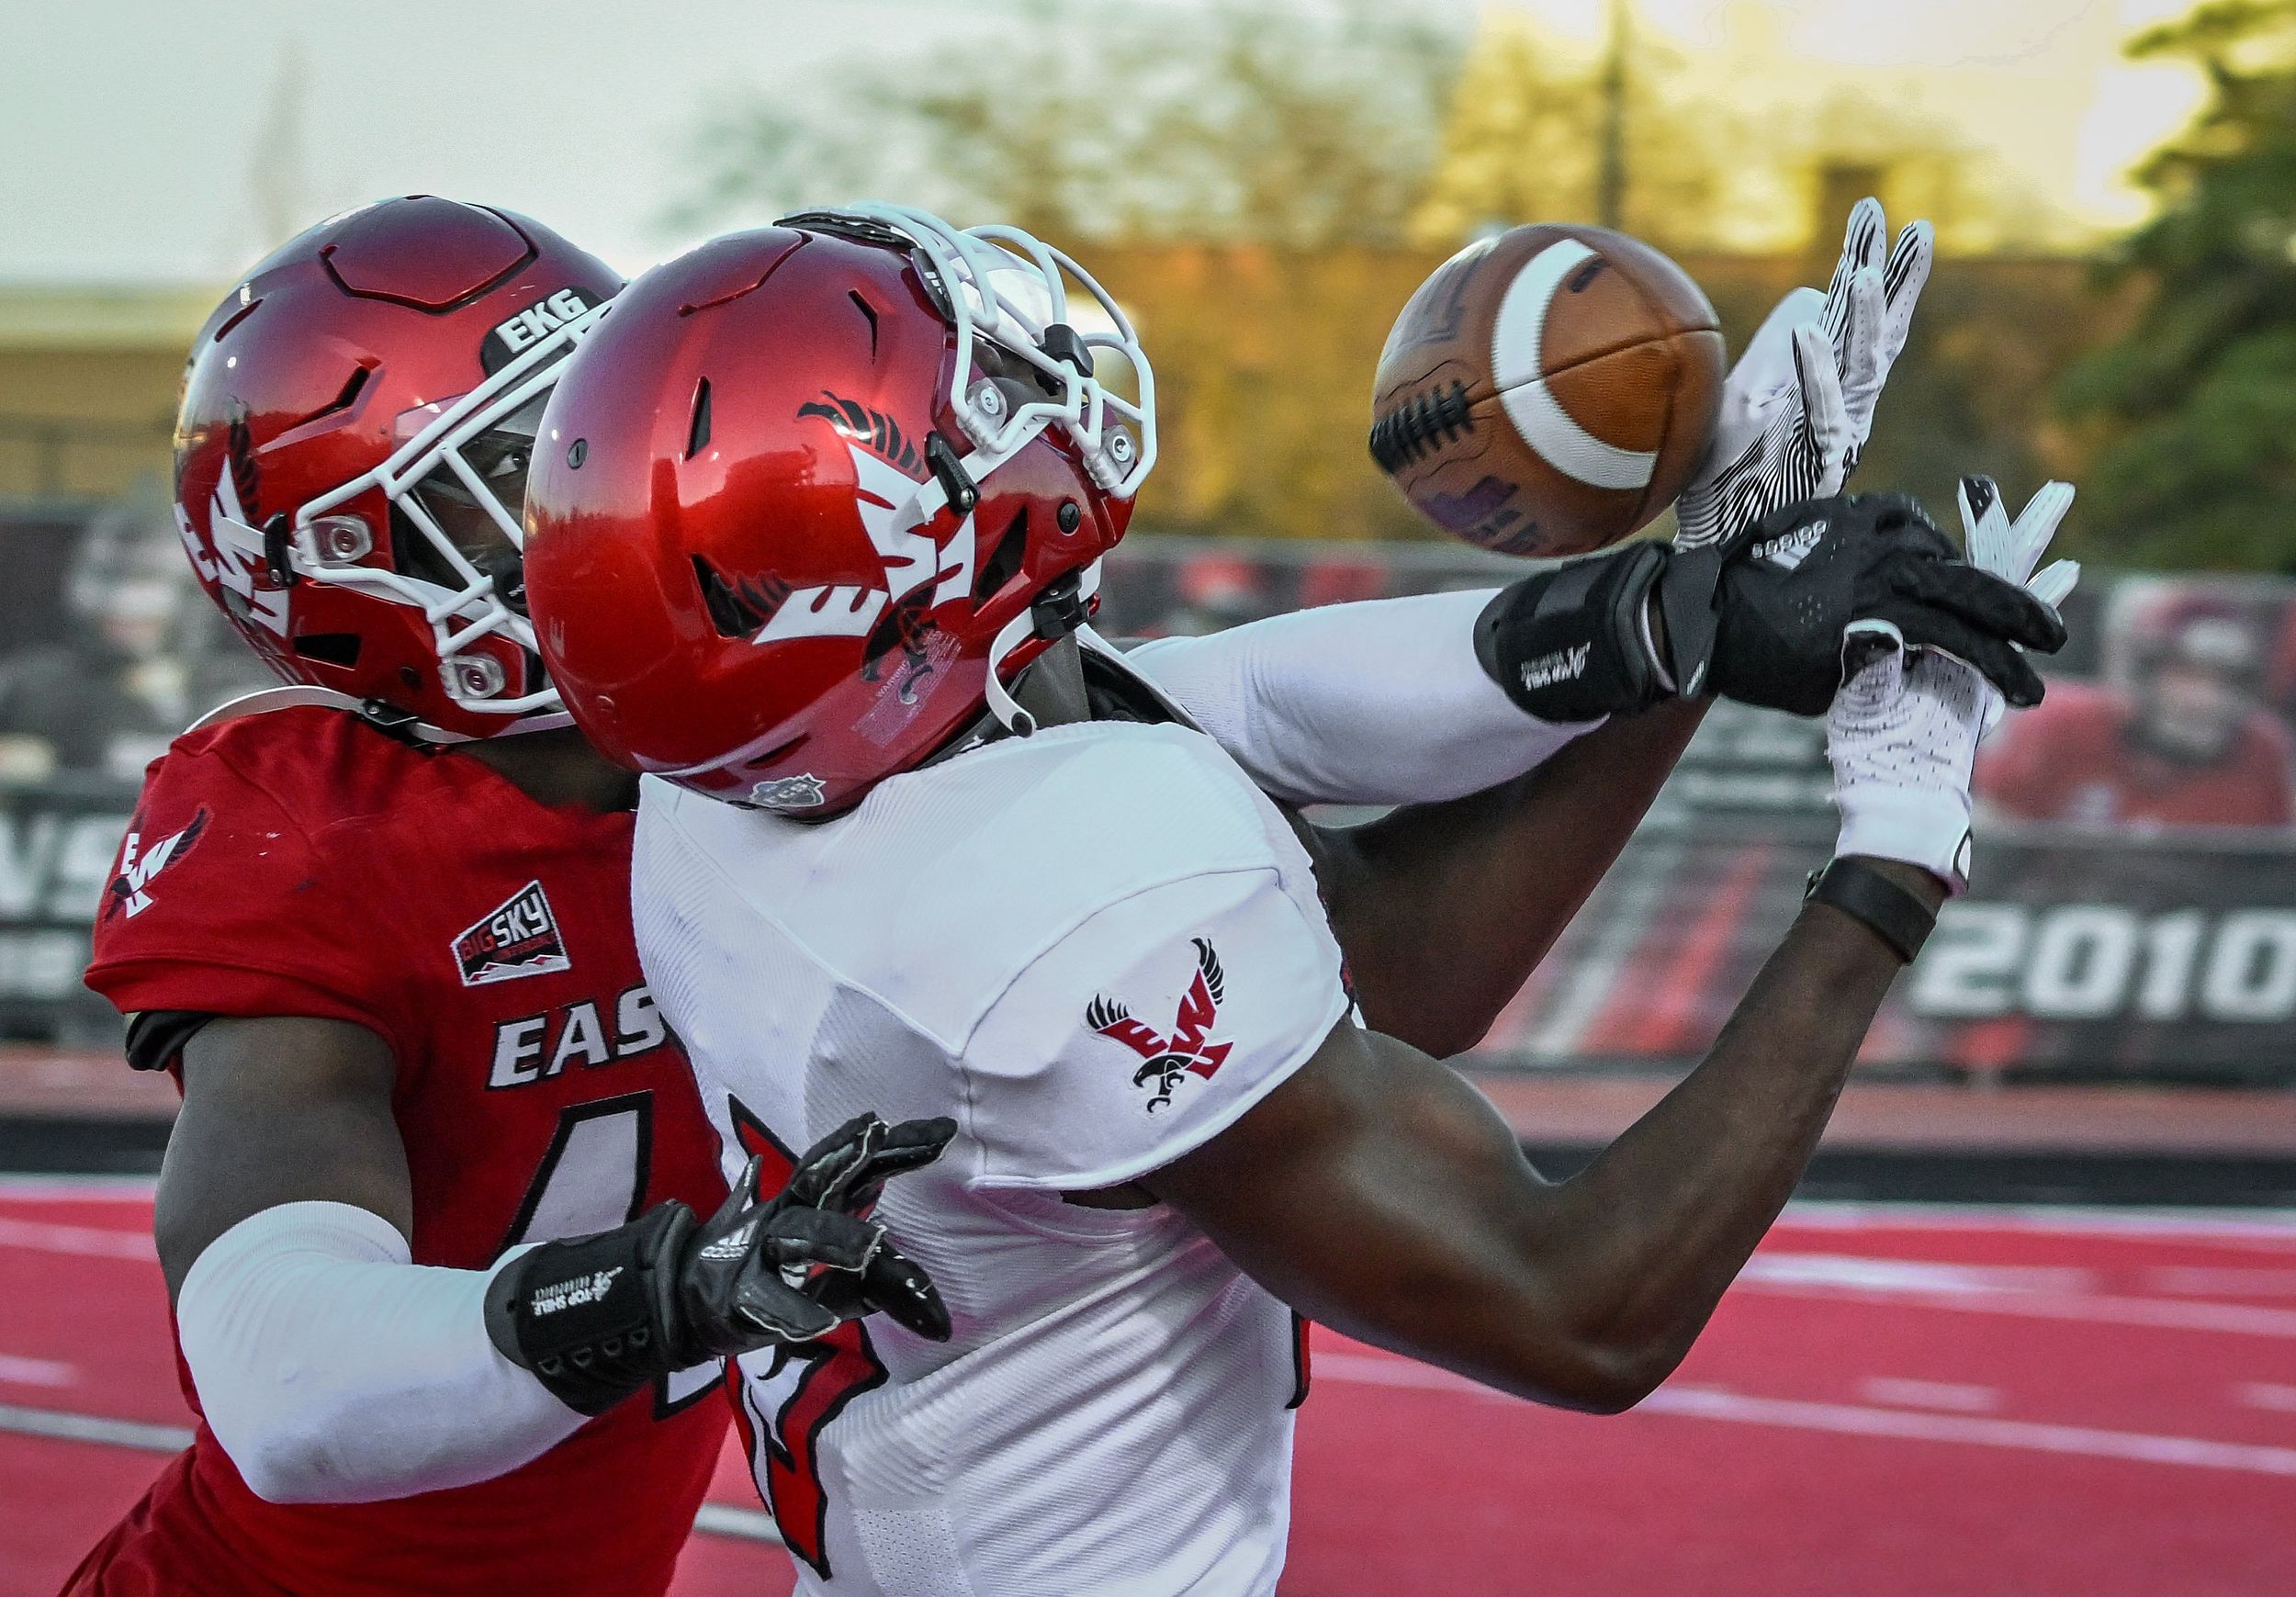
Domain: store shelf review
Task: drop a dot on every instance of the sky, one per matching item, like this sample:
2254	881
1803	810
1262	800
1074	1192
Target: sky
129	130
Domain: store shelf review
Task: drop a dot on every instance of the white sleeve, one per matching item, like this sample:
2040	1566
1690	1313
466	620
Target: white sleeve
1148	1029
1377	702
334	1369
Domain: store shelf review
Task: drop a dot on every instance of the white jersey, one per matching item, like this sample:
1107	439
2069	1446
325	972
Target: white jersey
1093	949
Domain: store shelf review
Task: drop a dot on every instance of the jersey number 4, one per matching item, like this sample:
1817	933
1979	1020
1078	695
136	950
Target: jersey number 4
592	1179
784	1399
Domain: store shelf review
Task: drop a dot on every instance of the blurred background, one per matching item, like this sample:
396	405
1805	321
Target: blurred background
2075	1399
1263	183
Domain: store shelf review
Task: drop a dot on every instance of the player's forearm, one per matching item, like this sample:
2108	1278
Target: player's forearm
1377	702
332	1369
1663	1220
1445	910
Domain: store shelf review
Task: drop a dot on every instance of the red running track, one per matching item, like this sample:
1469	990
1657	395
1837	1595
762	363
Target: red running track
1892	1403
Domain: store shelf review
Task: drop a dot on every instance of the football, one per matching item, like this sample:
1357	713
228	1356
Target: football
1547	391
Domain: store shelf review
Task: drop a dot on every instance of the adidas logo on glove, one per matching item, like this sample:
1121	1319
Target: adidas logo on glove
1788	550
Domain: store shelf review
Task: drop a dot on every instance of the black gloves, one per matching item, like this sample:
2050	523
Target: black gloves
596	1318
1789	594
1760	618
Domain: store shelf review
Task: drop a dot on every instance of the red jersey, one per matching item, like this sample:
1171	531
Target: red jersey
2071	759
303	863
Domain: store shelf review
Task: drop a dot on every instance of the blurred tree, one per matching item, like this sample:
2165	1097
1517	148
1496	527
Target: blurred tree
1520	142
1262	183
1247	173
1261	121
2192	412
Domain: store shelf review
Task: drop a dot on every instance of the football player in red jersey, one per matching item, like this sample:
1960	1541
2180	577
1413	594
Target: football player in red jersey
387	955
2176	735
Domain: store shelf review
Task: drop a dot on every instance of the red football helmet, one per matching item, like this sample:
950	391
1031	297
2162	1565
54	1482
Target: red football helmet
2159	623
812	494
351	454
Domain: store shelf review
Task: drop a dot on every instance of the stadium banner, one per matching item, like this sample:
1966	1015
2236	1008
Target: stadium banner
58	840
2150	955
2134	905
2069	960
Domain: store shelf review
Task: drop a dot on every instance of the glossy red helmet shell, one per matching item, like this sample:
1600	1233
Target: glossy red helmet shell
356	381
809	495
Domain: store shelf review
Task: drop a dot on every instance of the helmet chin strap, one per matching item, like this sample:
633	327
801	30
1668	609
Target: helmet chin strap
296	695
1059	611
1001	703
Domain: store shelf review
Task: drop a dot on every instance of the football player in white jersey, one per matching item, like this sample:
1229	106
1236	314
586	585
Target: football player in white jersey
814	531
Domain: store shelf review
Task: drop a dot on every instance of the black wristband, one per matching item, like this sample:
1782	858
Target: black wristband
1566	644
1895	913
588	1315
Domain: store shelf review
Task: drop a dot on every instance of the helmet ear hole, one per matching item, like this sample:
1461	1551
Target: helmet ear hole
698	433
1003	561
339	649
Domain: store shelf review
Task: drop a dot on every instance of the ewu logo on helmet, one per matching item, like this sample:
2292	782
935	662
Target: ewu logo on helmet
234	556
968	547
871	429
892	493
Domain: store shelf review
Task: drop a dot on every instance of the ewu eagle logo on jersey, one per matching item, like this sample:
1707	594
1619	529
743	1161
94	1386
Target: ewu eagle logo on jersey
130	888
519	939
1186	1050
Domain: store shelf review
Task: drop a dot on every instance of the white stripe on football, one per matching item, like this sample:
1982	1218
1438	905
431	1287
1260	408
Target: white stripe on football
1516	340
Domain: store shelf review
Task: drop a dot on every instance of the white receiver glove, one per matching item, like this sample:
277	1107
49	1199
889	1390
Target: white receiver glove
1903	733
1799	404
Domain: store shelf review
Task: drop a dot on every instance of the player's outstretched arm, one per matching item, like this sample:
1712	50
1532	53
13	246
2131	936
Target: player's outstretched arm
1505	822
334	1369
1378	702
1376	1190
1378	1193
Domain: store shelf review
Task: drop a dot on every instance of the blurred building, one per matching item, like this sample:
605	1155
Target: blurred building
88	385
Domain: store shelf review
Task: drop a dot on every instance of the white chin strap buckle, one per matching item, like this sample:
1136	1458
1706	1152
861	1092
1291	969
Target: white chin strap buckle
1001	703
